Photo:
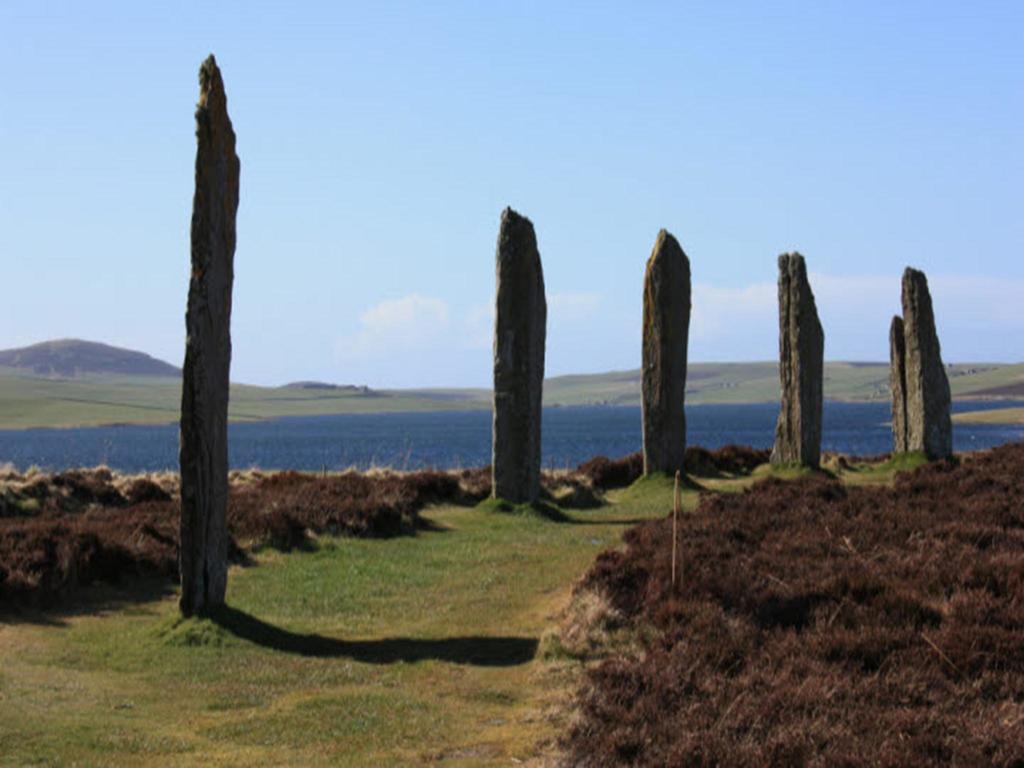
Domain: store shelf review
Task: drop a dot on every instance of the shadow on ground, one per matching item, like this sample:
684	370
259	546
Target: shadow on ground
136	596
475	650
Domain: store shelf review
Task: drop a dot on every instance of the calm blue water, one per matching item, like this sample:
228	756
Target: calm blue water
444	440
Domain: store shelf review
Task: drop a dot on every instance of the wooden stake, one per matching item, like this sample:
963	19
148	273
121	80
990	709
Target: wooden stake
675	538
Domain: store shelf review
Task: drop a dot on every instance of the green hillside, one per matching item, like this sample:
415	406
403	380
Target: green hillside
759	383
28	400
74	357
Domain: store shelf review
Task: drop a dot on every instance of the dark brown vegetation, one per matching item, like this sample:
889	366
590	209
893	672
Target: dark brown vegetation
59	532
605	473
63	531
818	624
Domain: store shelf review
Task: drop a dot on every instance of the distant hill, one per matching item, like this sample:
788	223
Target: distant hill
77	383
758	382
363	390
68	358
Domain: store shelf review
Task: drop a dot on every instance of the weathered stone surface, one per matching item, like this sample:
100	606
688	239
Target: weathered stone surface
520	326
929	426
665	336
898	385
203	449
801	367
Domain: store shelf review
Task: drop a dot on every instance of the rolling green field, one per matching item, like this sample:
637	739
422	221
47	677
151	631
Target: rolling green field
27	401
995	416
93	399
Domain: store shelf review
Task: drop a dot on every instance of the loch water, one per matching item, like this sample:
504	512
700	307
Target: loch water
460	438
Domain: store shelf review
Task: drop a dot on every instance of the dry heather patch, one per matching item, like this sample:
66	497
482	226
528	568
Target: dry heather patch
604	473
821	624
589	628
62	531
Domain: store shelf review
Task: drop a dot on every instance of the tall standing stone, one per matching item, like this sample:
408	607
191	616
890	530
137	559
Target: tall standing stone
520	325
929	426
801	367
663	375
203	450
898	384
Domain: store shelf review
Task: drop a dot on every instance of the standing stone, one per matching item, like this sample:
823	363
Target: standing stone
663	376
204	397
898	385
801	367
929	426
519	332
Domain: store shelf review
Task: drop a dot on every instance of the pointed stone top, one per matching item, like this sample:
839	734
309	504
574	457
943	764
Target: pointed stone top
666	243
668	254
516	238
917	299
909	272
210	81
792	262
914	276
511	218
213	125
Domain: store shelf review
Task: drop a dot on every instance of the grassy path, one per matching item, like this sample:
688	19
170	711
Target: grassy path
409	651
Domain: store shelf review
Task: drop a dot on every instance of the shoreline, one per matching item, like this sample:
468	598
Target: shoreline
9	472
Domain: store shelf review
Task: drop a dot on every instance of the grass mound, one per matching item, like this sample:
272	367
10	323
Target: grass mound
817	622
541	509
192	632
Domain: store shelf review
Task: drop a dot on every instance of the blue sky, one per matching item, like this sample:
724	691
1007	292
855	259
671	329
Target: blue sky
380	141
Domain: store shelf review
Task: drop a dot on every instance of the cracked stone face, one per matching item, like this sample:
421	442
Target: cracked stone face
520	326
898	384
666	327
203	449
928	402
801	367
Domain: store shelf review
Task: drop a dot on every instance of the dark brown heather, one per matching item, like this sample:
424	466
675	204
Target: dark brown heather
801	367
817	624
205	376
665	335
520	326
898	384
929	427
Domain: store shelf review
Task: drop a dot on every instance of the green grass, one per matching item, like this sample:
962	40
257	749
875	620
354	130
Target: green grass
994	416
361	652
758	382
28	401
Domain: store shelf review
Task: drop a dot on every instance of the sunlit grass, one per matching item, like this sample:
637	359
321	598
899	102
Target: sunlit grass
361	652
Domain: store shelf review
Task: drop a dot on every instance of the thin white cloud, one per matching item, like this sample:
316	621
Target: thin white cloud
719	313
565	309
478	326
397	324
419	339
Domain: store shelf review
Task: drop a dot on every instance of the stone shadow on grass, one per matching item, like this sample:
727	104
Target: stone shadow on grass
129	594
476	651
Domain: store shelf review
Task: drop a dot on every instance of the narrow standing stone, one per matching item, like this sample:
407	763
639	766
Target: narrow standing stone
663	376
801	367
520	325
205	376
929	426
898	384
